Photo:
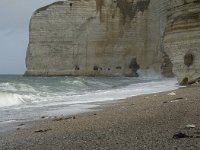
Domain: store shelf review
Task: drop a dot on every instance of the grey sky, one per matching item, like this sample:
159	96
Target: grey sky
14	22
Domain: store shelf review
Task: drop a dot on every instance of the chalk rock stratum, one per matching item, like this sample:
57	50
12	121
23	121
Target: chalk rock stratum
105	37
94	37
182	39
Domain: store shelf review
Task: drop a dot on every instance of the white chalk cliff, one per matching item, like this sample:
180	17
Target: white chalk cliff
107	37
182	39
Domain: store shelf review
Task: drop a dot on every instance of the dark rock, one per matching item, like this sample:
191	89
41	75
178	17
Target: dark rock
22	124
166	67
40	131
142	5
184	81
95	68
118	67
180	135
179	98
188	59
43	117
134	67
77	68
127	8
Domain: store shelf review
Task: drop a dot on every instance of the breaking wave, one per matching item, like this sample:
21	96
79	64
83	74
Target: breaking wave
9	99
33	97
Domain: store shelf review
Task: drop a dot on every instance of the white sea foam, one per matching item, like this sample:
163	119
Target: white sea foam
45	98
107	95
9	99
149	74
16	87
7	86
25	98
123	92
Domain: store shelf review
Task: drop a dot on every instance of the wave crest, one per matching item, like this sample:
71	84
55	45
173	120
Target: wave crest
10	99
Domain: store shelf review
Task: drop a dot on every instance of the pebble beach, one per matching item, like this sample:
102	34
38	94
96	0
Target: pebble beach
167	120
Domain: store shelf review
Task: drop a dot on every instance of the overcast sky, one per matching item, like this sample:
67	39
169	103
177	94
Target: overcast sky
14	21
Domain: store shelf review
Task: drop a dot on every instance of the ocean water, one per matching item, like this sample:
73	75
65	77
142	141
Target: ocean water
29	98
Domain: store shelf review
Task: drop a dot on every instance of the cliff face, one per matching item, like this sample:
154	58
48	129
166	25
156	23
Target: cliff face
182	39
95	37
105	37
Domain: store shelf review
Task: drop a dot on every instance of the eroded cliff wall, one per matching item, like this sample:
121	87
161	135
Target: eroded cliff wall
95	37
182	39
104	37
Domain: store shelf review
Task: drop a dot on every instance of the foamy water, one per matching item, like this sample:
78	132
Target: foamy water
28	98
7	99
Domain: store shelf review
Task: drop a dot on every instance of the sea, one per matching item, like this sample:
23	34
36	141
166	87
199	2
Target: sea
32	98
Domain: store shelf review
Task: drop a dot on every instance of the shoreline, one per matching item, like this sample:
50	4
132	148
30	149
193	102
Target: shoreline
83	103
151	121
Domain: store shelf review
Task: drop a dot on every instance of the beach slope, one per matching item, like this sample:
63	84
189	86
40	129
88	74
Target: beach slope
168	120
